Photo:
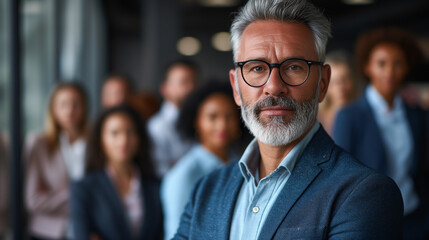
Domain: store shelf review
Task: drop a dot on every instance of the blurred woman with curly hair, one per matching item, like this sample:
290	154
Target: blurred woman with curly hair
382	131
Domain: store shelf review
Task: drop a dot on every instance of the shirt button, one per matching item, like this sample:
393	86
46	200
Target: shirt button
255	209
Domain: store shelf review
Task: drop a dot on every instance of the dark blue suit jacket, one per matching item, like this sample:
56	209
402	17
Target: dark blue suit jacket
97	208
329	195
356	131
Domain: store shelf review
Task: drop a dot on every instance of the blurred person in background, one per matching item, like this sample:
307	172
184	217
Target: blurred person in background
342	90
382	131
118	89
210	117
118	198
54	159
115	91
180	80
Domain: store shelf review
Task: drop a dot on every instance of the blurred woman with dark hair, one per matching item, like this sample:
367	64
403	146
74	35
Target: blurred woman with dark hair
382	131
53	159
119	196
210	117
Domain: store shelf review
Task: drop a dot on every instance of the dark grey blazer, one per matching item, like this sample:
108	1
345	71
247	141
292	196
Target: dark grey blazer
330	195
96	208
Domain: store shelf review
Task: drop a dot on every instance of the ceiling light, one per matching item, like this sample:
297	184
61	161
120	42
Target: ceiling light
219	3
221	41
358	2
188	46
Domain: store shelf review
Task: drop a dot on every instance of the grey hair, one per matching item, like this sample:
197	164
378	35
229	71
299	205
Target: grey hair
296	11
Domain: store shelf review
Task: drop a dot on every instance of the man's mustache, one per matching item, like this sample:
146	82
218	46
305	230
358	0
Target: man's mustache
287	102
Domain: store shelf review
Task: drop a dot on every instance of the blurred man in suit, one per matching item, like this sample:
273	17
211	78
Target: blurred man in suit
115	91
180	80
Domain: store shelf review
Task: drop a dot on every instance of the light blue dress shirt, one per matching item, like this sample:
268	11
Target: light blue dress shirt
177	184
398	144
257	197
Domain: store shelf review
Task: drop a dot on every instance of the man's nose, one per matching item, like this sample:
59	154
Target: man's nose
275	85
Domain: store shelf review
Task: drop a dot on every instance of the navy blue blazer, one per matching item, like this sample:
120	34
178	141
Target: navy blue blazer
329	195
97	208
356	131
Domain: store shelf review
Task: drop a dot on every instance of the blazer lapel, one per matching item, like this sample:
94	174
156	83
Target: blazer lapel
228	198
112	195
375	142
305	171
414	121
151	210
60	167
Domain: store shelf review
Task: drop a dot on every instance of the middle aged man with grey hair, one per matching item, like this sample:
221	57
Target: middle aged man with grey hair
292	182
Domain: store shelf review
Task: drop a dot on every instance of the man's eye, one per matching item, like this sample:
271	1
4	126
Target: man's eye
257	69
294	67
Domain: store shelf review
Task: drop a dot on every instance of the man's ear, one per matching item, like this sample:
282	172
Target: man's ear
234	88
324	81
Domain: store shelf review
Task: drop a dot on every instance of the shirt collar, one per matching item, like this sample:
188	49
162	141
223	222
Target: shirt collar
380	105
170	110
249	162
65	143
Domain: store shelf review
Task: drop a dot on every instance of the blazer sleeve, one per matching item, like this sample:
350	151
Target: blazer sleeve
79	213
342	130
38	197
373	210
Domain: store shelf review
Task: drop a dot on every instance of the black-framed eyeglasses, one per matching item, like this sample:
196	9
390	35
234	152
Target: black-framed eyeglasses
293	71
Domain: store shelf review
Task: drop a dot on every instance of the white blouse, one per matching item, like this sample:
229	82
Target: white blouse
74	156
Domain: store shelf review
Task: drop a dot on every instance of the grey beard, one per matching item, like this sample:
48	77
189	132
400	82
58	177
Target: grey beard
276	131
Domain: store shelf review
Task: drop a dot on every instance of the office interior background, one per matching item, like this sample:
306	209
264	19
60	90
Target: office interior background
85	40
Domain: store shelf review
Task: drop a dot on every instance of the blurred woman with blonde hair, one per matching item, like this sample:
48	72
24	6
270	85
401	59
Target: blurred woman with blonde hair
343	88
53	159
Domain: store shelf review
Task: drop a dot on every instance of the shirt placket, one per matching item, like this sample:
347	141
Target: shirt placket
258	204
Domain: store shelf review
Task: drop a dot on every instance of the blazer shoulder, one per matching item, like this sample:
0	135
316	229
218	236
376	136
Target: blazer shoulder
223	174
350	167
218	179
355	108
91	179
349	173
35	141
345	160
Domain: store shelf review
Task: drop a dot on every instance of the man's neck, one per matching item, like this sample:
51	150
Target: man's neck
272	156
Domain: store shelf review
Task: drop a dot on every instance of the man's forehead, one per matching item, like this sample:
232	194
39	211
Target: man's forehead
292	39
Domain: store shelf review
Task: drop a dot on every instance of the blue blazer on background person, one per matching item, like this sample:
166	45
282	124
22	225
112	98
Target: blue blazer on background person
357	132
97	207
329	194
